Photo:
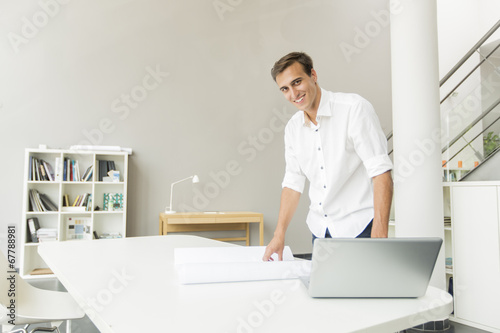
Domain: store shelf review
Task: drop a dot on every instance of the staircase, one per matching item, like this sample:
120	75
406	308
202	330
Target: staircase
470	114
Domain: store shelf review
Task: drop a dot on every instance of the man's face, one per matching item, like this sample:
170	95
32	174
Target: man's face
299	88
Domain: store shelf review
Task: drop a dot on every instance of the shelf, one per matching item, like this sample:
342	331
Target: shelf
103	212
98	221
43	213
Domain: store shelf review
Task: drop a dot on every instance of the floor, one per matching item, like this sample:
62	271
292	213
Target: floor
85	325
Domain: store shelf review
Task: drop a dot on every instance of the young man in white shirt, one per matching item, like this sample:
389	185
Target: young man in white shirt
336	142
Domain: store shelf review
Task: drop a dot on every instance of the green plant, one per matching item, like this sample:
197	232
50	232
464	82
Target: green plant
490	143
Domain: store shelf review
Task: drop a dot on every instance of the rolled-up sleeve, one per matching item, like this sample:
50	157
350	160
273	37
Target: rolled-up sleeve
294	177
369	140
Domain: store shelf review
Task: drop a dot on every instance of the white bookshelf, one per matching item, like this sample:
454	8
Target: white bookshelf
93	220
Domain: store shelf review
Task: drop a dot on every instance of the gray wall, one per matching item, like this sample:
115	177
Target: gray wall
68	70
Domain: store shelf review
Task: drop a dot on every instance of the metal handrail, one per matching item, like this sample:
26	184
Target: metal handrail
471	52
470	73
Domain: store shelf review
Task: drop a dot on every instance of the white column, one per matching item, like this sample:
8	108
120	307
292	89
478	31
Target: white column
418	194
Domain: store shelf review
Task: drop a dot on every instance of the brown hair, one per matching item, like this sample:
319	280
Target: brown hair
288	60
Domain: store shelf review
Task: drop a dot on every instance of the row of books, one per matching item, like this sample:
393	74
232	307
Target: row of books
76	228
71	171
105	167
39	202
82	200
40	170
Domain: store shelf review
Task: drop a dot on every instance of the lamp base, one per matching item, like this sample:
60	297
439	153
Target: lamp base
170	212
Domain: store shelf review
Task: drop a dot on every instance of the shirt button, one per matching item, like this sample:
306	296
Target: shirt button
321	168
324	186
326	215
319	148
320	203
316	130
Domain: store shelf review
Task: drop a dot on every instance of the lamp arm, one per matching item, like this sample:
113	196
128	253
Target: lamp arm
172	189
182	180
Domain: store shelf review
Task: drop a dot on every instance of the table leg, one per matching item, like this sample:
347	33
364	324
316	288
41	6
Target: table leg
248	234
261	231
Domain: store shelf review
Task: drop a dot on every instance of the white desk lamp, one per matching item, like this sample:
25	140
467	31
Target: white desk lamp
195	180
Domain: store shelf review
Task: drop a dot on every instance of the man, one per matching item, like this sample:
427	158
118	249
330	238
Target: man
336	142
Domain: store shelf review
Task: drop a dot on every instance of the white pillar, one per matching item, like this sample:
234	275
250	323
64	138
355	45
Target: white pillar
418	194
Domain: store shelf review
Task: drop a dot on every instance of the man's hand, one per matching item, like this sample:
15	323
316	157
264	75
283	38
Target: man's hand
276	245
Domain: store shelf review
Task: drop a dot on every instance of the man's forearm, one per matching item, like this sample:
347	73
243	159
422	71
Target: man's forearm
382	200
288	205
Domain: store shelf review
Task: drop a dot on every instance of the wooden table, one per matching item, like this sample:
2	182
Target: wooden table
217	221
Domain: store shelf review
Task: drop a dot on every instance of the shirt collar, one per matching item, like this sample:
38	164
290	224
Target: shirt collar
323	109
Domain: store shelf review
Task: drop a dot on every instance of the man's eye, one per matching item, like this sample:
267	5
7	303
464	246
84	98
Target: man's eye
284	89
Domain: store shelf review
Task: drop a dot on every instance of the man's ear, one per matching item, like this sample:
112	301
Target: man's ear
314	75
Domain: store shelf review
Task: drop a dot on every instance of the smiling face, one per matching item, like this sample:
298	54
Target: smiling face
299	88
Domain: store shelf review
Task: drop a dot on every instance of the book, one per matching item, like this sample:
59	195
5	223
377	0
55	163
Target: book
113	202
33	226
65	169
47	203
41	271
105	167
30	170
48	170
58	172
78	228
88	174
76	201
46	234
37	204
103	170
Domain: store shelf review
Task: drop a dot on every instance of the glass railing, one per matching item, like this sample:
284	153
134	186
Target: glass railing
473	148
470	109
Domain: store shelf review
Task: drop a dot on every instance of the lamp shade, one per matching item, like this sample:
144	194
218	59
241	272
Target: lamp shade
196	179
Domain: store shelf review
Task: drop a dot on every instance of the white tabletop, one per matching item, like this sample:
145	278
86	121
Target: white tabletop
130	285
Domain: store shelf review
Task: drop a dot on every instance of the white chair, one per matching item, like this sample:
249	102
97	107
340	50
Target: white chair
34	305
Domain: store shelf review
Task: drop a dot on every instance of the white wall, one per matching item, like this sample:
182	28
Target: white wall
66	82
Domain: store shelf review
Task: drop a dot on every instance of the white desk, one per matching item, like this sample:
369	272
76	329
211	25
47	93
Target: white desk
130	285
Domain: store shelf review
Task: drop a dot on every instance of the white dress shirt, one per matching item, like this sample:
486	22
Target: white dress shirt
339	156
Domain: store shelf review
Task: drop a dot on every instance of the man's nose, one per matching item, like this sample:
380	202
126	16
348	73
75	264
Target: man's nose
294	93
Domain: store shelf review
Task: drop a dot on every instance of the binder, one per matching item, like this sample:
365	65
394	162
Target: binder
33	226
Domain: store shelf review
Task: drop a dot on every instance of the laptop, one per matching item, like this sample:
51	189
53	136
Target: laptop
372	267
